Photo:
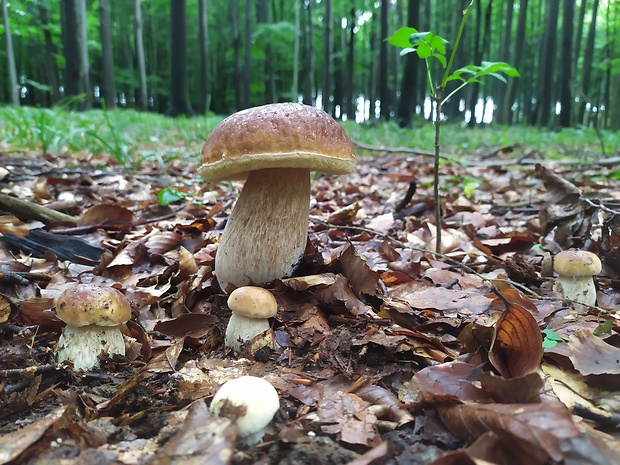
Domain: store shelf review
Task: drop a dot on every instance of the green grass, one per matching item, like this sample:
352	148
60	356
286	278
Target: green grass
132	137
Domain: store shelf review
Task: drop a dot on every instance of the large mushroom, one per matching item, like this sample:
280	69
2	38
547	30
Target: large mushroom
275	147
576	270
93	315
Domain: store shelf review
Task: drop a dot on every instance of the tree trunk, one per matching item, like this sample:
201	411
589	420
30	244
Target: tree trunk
247	65
108	88
542	110
179	92
295	89
384	94
76	51
452	109
203	48
143	102
565	78
309	90
409	80
372	82
328	48
234	16
511	87
475	87
51	71
350	73
499	96
10	57
588	58
262	17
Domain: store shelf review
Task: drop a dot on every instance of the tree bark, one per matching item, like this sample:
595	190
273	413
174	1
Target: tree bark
511	88
75	51
588	58
542	111
108	88
328	48
236	36
409	80
566	96
10	56
51	71
247	66
143	103
350	73
499	96
309	86
179	92
203	66
263	17
295	89
384	94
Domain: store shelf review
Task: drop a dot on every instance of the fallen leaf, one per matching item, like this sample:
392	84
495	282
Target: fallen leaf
592	356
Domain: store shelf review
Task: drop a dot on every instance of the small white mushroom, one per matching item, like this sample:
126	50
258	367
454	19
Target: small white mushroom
576	270
249	400
251	307
93	315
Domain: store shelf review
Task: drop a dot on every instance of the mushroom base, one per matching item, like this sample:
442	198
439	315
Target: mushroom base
266	234
82	346
579	288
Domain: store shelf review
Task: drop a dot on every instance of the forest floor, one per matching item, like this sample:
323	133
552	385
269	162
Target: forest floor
382	351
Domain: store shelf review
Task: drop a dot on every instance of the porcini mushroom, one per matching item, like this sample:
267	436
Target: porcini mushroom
251	307
275	147
93	315
576	270
249	400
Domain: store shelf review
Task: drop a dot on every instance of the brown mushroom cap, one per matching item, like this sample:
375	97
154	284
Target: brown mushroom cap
278	135
87	304
577	263
253	302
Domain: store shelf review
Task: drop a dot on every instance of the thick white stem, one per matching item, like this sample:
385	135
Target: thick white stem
267	231
579	288
83	345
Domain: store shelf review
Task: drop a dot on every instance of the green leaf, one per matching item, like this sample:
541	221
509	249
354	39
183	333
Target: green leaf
407	50
441	58
438	43
401	37
551	339
604	328
424	50
418	37
169	195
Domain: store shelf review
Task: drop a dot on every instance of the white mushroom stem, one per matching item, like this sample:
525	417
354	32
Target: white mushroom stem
241	329
579	288
267	231
83	345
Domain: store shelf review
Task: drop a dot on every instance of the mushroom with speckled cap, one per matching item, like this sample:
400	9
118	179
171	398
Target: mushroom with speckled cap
251	307
576	270
274	147
93	315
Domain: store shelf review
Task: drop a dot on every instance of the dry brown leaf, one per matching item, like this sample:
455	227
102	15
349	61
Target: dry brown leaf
592	356
361	278
106	214
516	349
347	415
453	379
543	426
12	224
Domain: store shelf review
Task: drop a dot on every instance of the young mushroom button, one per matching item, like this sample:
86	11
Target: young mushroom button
274	147
251	307
93	315
576	270
249	400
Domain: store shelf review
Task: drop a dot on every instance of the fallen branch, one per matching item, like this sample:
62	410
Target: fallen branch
25	209
409	150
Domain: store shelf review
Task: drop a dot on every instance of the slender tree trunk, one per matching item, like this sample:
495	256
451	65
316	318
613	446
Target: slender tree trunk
310	91
542	111
350	84
203	47
511	87
76	51
475	87
10	57
51	71
338	67
262	17
499	96
143	102
295	89
409	80
565	78
384	94
328	45
108	88
87	101
234	12
372	82
588	58
179	92
452	109
247	64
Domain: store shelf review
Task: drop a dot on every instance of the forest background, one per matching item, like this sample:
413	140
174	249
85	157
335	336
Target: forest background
220	56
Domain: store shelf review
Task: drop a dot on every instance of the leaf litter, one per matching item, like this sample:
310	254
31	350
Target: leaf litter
382	351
